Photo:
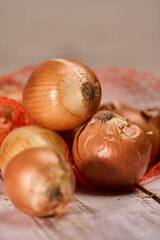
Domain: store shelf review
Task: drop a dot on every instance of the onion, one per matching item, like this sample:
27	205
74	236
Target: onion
147	119
40	182
28	137
62	94
110	152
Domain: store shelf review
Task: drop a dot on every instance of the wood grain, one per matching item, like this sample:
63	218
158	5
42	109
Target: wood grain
106	33
92	215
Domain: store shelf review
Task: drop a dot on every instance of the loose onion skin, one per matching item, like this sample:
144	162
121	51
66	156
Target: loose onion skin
147	119
28	137
40	182
62	94
110	152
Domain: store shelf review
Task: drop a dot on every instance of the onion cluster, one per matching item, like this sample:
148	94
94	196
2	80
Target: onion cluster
60	94
108	151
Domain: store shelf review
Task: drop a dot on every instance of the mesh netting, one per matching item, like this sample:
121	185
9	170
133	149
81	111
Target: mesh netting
12	116
138	89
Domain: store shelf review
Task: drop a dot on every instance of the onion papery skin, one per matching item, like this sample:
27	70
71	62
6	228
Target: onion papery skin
27	137
147	119
111	154
40	182
61	94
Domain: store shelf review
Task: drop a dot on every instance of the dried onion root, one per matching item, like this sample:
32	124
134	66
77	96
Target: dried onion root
40	182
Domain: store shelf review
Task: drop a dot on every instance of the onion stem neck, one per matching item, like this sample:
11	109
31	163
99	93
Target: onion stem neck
104	116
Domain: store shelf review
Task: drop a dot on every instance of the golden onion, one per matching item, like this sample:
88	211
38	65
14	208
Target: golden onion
29	137
61	94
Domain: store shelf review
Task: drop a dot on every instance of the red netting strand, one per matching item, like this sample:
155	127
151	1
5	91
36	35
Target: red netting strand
18	77
153	172
136	88
15	116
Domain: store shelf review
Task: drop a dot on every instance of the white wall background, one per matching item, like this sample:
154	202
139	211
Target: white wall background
97	32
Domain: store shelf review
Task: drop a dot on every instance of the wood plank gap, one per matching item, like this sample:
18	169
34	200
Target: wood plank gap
42	228
150	194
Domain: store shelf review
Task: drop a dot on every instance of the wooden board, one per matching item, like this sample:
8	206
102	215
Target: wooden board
91	216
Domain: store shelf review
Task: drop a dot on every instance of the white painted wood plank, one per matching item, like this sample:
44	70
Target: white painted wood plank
126	215
96	216
91	215
15	224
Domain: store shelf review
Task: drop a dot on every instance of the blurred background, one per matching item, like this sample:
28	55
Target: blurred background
97	32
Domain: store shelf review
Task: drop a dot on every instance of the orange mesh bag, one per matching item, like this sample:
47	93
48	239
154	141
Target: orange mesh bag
138	89
12	114
18	77
135	88
17	118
